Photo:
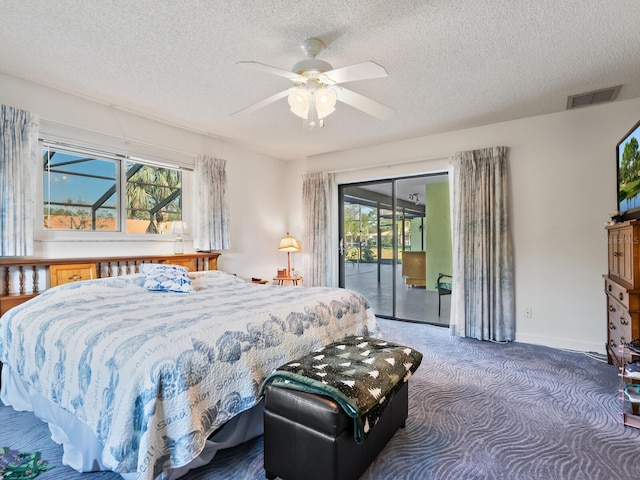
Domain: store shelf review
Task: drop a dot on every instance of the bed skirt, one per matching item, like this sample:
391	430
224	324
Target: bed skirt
83	451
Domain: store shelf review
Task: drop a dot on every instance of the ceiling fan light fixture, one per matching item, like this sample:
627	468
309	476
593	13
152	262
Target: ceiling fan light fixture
312	104
325	102
299	101
314	76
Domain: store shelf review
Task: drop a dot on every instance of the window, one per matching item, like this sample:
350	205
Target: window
153	198
84	191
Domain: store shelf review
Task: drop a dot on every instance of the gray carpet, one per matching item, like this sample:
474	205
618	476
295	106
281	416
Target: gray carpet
477	410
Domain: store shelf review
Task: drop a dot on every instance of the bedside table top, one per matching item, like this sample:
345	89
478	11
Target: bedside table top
293	280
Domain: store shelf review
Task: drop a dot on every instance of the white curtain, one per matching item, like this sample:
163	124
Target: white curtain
483	296
211	210
316	240
18	174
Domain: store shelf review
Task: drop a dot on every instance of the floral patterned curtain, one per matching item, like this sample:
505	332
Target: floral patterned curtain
18	174
211	211
316	200
483	296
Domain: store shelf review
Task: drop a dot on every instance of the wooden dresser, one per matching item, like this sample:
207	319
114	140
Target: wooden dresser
24	278
622	287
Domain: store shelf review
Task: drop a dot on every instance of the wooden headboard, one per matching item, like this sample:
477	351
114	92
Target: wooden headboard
24	278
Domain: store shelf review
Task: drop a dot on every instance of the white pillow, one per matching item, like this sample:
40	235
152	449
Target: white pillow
166	278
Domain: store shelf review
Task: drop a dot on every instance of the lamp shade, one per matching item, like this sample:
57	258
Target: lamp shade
299	102
178	227
311	102
325	102
288	243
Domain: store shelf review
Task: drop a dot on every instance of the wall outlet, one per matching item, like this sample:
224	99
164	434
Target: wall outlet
528	312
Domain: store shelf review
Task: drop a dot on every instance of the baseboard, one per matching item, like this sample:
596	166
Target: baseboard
561	343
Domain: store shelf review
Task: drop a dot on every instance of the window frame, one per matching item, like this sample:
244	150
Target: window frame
46	235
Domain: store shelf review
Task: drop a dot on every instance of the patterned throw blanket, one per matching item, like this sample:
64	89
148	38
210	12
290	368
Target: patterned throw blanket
360	373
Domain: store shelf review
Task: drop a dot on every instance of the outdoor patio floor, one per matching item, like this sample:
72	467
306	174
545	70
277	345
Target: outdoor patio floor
412	303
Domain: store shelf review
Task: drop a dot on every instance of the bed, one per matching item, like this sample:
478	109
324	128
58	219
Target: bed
150	384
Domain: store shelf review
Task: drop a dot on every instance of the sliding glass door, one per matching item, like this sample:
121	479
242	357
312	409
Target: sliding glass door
366	242
383	245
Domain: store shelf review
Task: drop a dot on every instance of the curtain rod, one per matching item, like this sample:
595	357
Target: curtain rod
388	165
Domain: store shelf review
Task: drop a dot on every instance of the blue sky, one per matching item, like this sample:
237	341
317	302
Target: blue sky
85	189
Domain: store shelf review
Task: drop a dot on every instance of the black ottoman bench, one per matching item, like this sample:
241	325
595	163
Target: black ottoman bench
309	436
330	413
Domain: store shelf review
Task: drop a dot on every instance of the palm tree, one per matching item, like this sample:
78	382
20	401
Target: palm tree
152	192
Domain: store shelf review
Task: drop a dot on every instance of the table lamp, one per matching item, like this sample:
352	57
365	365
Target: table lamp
178	227
289	244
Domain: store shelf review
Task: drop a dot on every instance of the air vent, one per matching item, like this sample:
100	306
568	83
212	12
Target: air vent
589	98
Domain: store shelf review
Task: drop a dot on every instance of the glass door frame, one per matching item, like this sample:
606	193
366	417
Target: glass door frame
399	209
394	237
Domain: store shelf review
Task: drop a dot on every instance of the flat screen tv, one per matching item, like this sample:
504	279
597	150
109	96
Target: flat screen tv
628	155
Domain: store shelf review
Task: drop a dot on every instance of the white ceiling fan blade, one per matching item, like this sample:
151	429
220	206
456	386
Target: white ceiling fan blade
359	71
363	103
263	103
275	71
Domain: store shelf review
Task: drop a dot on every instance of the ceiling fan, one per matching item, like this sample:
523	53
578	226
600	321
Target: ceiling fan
316	87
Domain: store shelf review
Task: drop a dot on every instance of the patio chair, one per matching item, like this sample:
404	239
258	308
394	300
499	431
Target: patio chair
444	283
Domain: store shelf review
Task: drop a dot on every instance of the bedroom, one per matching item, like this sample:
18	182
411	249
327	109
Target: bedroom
562	174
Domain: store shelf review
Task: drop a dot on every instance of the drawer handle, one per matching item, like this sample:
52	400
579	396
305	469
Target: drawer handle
620	295
612	308
612	326
612	344
75	277
624	321
609	287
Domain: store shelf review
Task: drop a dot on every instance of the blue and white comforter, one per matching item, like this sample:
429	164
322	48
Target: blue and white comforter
153	374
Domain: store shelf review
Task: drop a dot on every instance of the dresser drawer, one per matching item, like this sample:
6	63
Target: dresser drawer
618	323
617	291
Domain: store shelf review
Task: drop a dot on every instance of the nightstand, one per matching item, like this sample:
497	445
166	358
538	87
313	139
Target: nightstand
282	280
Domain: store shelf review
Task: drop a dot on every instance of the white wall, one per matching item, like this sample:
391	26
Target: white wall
259	213
563	170
292	184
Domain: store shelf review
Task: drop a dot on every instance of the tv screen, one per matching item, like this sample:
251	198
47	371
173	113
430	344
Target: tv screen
629	174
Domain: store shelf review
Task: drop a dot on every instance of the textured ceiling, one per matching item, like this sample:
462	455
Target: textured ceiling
451	64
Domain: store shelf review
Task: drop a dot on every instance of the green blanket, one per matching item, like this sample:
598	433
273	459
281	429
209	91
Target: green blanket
15	465
360	373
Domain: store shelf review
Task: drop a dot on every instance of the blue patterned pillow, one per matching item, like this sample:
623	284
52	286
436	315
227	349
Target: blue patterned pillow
166	278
